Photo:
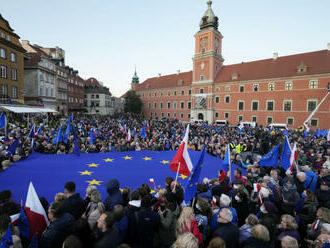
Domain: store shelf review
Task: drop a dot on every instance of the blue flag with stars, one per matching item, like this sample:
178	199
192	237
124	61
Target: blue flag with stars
143	131
285	156
23	224
7	239
191	187
271	158
58	137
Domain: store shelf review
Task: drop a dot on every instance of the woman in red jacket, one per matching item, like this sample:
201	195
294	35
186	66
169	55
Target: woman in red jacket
188	223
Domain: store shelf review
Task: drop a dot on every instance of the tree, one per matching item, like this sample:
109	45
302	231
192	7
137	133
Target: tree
133	102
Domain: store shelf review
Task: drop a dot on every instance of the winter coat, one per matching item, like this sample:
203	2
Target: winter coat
308	212
214	220
93	213
57	231
110	239
244	233
74	205
270	220
229	233
315	230
291	195
167	226
114	195
311	180
122	226
133	206
291	233
241	205
323	198
256	243
147	224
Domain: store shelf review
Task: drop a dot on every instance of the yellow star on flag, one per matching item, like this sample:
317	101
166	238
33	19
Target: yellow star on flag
93	165
86	172
108	160
127	158
182	176
94	182
165	162
147	158
153	191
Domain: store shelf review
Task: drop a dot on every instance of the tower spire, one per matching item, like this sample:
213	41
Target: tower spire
209	19
135	78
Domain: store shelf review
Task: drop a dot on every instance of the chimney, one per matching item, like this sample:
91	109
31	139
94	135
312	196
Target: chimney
159	74
328	46
275	56
178	72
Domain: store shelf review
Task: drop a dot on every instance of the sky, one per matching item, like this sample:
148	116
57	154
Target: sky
106	39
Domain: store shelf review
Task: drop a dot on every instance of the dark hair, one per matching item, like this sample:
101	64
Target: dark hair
5	196
146	201
168	180
72	242
44	203
109	219
56	209
4	222
82	230
70	186
239	172
135	195
118	212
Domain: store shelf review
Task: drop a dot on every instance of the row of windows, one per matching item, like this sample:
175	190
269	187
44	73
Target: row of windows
269	119
75	100
48	92
270	105
161	93
3	35
3	72
313	84
4	91
161	105
3	54
168	115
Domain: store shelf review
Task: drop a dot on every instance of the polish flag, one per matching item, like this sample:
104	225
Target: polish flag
35	213
328	136
152	181
128	136
182	157
214	201
256	187
293	157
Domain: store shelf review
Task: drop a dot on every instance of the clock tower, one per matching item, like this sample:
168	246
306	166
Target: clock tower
207	63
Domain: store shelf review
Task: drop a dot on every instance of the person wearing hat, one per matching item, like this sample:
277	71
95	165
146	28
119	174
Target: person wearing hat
323	193
240	201
269	217
290	196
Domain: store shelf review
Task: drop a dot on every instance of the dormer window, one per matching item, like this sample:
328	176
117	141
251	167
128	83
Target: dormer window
302	68
234	76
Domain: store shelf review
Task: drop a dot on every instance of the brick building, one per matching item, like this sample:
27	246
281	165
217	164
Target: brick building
76	92
11	64
282	89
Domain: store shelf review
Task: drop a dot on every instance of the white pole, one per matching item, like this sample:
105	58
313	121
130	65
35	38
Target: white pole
314	111
177	173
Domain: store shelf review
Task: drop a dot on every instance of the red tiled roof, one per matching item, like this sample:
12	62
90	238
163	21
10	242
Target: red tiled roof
287	66
168	81
317	62
92	82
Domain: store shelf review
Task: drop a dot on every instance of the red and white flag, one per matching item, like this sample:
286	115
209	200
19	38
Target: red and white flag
182	157
328	136
128	136
35	212
293	157
152	181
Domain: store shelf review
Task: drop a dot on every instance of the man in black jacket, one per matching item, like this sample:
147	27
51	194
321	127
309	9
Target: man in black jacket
110	237
74	204
59	228
226	230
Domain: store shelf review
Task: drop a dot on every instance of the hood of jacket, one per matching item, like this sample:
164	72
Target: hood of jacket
112	186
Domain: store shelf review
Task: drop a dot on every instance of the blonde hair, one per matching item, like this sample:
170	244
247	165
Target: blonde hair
162	192
260	232
184	222
291	223
289	242
252	220
186	240
325	214
60	197
217	243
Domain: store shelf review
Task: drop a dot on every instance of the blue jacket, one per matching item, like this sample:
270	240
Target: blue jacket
57	231
214	222
114	195
311	180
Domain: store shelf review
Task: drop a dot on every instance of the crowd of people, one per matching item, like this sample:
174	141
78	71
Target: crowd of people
270	207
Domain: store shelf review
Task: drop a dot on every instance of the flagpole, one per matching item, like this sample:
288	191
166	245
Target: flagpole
177	173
